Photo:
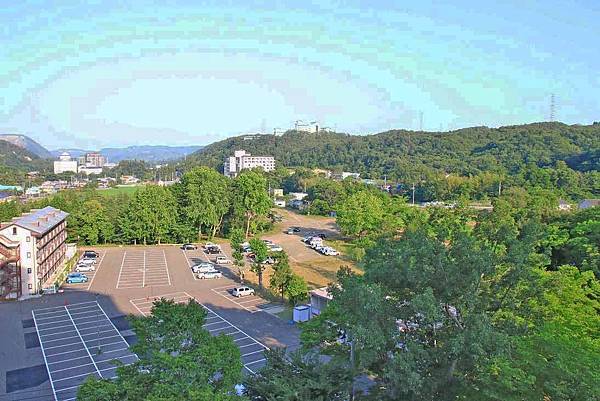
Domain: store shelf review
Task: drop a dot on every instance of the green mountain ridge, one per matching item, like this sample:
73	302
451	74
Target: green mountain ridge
401	154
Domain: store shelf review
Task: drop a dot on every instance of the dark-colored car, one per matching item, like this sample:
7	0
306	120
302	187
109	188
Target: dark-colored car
321	235
189	247
212	250
90	254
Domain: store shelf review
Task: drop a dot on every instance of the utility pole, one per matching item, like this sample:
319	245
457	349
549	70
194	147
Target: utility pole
352	366
413	193
499	188
552	107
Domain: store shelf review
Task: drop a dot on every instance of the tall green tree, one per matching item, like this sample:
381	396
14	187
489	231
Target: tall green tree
92	225
150	215
361	214
178	360
282	273
260	250
236	237
206	198
250	198
299	377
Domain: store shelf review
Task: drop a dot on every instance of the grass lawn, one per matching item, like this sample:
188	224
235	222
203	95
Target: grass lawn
118	190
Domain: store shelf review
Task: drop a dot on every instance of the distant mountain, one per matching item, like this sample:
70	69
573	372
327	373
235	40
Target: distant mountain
25	142
145	153
16	157
73	152
148	153
403	155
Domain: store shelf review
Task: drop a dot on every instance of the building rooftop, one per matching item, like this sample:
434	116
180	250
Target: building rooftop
39	221
322	293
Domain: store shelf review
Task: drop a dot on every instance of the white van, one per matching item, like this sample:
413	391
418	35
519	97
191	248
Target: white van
242	292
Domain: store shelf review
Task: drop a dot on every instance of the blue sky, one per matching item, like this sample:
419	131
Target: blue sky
191	72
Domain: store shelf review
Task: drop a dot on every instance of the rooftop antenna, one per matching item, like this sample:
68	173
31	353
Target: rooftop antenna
552	107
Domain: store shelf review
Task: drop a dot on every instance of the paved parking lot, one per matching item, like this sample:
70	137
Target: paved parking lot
143	268
251	303
252	350
78	341
29	372
90	276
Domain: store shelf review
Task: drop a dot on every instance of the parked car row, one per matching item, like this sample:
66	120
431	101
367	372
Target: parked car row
271	246
316	243
206	270
87	263
212	249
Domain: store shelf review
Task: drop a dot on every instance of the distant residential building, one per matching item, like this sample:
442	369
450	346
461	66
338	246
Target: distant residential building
129	179
110	165
298	195
88	170
35	245
297	204
33	174
11	188
65	164
345	174
276	192
33	192
92	159
588	203
310	127
242	160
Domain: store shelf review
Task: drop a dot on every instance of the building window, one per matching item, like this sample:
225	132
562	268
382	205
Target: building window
28	238
29	270
28	255
14	230
29	286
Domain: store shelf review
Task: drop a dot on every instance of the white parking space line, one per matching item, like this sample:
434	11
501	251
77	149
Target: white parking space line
121	270
223	292
96	271
68	367
144	268
144	306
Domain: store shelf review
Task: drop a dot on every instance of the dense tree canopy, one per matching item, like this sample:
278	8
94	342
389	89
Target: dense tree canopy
178	360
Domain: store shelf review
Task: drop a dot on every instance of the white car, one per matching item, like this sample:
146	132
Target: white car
87	261
242	292
85	268
329	251
222	260
275	248
203	267
209	275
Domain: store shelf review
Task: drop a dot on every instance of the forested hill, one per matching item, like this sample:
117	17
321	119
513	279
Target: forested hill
402	154
15	156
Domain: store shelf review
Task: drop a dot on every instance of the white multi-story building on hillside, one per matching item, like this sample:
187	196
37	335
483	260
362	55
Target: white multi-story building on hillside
242	160
65	164
36	243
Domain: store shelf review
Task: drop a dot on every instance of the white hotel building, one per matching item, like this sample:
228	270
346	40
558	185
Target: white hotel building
35	244
242	160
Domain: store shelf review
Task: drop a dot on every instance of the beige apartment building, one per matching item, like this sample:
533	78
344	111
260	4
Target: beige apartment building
32	247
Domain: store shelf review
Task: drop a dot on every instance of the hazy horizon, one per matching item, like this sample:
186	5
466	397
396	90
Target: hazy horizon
190	74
